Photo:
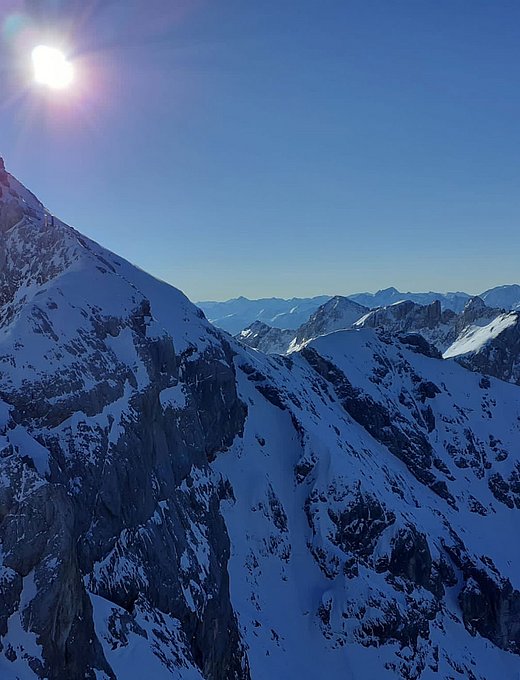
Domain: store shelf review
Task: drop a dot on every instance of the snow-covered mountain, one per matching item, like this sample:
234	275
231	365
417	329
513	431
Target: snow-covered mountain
238	314
481	338
440	327
235	315
506	297
338	313
492	348
446	330
176	505
115	392
430	321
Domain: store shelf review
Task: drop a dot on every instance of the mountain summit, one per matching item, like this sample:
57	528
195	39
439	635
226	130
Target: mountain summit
176	505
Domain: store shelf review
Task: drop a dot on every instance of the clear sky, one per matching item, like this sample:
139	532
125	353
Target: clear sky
278	147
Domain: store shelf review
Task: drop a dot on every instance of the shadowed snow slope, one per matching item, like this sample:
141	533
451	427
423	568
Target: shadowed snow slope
176	505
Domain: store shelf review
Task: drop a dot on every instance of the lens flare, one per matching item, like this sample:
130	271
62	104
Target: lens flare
51	67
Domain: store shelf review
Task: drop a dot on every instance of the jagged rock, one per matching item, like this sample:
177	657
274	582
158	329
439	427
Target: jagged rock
420	345
411	558
265	338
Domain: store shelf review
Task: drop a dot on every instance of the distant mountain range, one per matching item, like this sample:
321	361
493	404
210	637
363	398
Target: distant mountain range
480	337
389	296
239	313
235	315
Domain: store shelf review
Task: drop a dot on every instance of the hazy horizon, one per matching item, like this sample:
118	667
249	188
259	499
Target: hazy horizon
291	297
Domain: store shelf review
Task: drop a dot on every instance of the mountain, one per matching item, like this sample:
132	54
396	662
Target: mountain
238	314
493	348
115	393
265	338
441	328
390	296
507	297
176	505
481	338
430	321
336	314
475	337
235	315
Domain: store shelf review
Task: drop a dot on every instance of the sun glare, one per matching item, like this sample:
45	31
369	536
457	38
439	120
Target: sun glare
51	67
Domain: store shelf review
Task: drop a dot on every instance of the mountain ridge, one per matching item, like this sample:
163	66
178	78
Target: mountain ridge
234	317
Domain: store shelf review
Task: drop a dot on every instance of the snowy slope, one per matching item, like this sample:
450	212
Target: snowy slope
474	338
402	535
194	509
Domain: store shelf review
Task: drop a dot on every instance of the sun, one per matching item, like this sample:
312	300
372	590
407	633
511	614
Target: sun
51	67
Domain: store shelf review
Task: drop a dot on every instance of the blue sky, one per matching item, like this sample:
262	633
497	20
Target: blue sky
279	147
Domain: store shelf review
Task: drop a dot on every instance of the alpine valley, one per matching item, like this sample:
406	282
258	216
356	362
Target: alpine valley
176	504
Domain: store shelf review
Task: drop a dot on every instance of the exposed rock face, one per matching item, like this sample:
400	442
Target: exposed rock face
265	338
15	201
175	505
474	310
419	344
436	325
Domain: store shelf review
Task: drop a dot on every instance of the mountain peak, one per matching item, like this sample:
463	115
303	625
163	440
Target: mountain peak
474	303
389	291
